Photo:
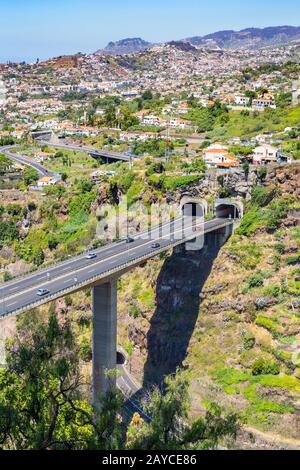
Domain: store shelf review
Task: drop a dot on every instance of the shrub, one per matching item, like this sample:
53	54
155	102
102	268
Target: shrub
268	323
263	196
262	367
256	280
295	259
262	172
134	310
249	341
279	247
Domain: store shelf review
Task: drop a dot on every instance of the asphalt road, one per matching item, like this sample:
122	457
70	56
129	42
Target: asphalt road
19	158
20	295
90	150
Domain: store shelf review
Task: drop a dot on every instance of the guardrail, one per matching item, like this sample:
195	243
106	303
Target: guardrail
107	273
53	265
46	267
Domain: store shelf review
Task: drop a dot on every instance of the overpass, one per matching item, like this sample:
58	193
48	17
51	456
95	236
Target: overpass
101	274
107	157
24	160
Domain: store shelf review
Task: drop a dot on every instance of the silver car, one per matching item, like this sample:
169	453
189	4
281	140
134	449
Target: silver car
91	256
42	292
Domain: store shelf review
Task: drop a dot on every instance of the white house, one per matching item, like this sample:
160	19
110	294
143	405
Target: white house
242	100
263	104
218	156
151	120
46	181
265	154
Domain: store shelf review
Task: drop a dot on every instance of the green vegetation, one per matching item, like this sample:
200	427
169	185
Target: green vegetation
206	118
245	125
263	367
171	183
43	405
264	211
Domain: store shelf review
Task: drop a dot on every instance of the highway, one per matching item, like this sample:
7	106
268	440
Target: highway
89	150
20	295
17	157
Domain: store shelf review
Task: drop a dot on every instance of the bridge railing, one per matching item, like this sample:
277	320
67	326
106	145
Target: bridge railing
105	274
54	264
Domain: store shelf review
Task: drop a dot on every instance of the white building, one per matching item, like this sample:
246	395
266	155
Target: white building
265	154
263	104
2	93
151	120
217	156
242	100
46	181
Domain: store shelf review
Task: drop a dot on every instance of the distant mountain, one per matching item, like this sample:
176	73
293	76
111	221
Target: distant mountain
125	46
250	38
183	46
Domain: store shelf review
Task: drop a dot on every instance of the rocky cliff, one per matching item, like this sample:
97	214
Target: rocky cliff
231	313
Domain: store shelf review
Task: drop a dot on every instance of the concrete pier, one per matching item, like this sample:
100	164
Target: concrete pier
104	335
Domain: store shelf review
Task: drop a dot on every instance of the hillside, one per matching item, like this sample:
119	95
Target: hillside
125	46
232	319
250	38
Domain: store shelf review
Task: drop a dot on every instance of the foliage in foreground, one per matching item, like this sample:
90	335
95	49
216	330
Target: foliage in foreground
43	403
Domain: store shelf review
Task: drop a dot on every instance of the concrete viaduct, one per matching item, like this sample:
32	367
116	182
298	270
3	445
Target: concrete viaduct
102	272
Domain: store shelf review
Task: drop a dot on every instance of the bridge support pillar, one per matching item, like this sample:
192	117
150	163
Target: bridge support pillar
104	336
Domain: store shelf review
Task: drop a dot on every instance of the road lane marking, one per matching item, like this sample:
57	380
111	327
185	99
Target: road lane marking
101	251
143	245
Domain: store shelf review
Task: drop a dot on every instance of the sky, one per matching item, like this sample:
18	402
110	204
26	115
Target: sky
32	29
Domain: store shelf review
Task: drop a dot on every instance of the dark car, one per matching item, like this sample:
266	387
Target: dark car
129	240
155	245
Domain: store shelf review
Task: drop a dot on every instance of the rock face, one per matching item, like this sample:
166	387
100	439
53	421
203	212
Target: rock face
287	178
209	318
178	294
125	46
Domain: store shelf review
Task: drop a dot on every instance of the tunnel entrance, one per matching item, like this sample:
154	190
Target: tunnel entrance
192	209
225	211
121	359
228	209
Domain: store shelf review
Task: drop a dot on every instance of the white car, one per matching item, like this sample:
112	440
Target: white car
42	292
91	256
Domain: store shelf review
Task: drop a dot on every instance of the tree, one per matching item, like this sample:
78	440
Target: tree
5	164
168	428
40	392
30	175
246	169
147	95
64	177
42	404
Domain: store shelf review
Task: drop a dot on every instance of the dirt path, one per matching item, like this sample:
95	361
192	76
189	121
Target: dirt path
272	439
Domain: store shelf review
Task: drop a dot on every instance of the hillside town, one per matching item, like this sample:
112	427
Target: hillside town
150	239
166	90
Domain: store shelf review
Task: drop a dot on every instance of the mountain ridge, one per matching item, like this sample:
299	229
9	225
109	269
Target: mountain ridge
125	46
248	38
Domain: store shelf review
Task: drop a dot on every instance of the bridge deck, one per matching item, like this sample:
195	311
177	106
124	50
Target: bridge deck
77	273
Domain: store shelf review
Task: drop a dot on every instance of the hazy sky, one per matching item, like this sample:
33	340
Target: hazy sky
45	28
